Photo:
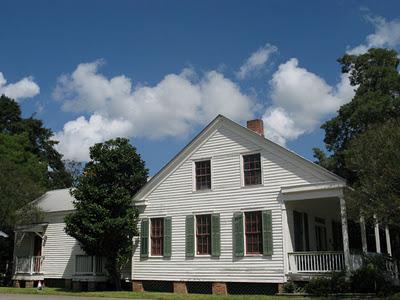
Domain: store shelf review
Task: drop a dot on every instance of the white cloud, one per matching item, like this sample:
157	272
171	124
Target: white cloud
301	99
25	88
279	126
386	35
78	135
256	61
170	108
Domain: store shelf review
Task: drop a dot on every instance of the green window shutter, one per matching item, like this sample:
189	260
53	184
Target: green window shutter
238	234
144	238
215	235
189	236
167	236
267	232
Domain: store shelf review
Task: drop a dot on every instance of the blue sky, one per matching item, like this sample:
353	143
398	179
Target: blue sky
158	72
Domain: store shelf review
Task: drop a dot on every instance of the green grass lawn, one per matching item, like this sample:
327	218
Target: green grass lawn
149	295
143	295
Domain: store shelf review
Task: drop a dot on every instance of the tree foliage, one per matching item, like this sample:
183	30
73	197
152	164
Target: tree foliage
377	81
374	157
40	142
22	179
105	219
363	136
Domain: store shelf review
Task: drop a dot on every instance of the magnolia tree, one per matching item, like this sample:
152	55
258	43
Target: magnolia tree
105	219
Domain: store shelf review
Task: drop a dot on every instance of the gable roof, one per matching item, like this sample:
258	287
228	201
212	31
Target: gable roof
200	138
55	200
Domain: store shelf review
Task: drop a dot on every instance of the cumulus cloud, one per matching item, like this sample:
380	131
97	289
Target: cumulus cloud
25	88
78	135
170	108
386	35
256	61
301	99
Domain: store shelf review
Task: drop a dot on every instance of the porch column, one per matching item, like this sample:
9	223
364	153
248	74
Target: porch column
388	245
345	235
363	235
377	237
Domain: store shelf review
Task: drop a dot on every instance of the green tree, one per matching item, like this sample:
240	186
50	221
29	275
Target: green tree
105	219
374	157
22	179
40	139
375	75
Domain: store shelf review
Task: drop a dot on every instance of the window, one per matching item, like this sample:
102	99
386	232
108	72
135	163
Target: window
253	232
203	175
301	231
252	169
203	234
157	237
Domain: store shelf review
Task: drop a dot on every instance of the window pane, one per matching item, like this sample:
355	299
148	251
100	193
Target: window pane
203	234
157	238
253	232
203	175
252	169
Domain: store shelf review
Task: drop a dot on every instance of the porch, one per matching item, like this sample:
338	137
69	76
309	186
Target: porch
316	234
28	254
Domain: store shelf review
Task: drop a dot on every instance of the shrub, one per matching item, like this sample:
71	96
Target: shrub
370	279
320	286
290	287
339	284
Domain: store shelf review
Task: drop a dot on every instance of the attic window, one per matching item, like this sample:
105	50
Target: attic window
252	169
203	175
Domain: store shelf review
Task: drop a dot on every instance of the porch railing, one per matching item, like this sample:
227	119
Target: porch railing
29	264
89	265
316	262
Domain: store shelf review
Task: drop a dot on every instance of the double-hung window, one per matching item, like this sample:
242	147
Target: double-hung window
157	236
252	169
203	175
253	232
203	234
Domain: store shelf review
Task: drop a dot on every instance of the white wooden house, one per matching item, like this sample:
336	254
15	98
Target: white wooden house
232	208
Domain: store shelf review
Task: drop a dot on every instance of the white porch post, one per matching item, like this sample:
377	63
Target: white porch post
388	245
286	235
363	235
377	237
346	249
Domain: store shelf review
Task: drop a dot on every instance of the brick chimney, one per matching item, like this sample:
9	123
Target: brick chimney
257	126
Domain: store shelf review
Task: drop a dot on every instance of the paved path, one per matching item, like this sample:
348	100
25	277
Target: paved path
50	297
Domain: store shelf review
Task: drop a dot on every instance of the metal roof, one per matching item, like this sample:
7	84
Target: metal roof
56	200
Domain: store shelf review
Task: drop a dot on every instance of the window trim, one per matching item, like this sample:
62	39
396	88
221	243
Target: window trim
194	161
150	252
242	183
195	234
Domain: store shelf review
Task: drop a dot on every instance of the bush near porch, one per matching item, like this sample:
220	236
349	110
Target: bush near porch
364	280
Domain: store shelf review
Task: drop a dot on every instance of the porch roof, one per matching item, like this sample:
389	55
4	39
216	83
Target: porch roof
40	227
312	191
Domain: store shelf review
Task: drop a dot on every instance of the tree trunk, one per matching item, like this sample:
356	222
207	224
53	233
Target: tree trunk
114	273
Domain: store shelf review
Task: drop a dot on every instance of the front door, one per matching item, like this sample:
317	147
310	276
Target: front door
320	234
37	253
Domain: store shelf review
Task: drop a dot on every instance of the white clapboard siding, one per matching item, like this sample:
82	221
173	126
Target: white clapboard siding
175	197
59	249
